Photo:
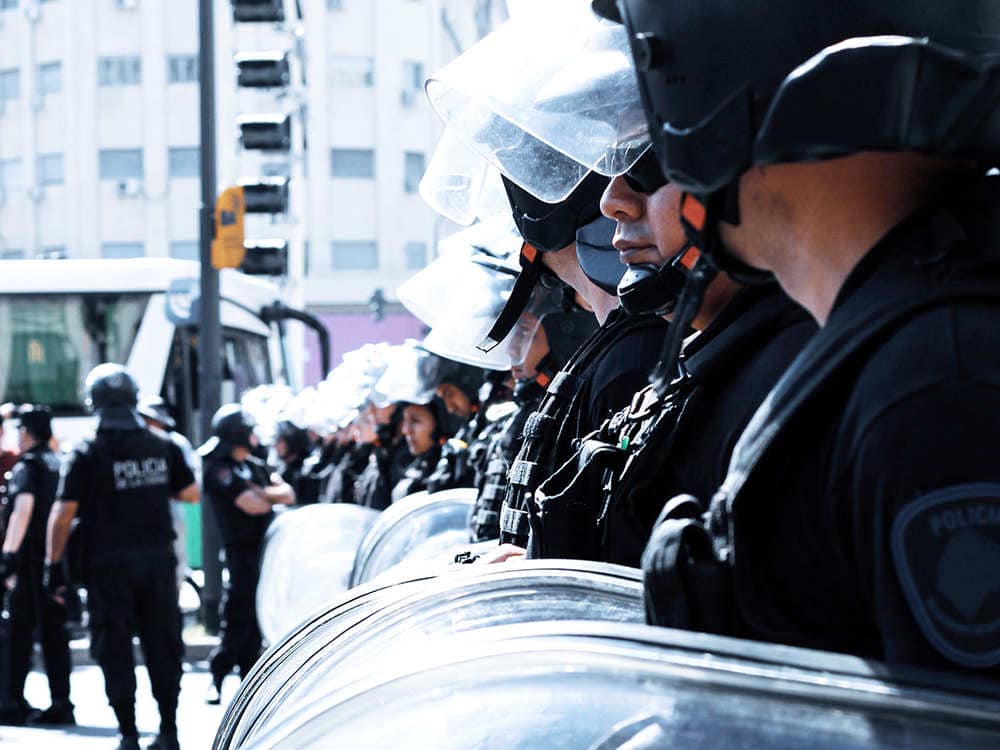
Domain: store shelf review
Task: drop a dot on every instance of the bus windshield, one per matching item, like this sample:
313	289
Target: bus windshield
49	342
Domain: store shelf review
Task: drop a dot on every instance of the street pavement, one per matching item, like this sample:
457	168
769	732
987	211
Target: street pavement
96	729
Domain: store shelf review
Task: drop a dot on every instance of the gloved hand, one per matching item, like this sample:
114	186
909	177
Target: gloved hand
54	580
8	565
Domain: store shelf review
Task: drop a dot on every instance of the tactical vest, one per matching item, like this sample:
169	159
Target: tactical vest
484	521
550	431
691	561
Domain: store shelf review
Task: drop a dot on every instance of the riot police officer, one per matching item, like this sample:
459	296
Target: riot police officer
32	488
243	494
292	447
120	484
859	513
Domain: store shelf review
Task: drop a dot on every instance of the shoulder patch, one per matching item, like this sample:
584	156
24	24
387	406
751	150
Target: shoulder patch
224	476
946	547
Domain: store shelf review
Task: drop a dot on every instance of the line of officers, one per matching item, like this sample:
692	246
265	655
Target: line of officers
107	517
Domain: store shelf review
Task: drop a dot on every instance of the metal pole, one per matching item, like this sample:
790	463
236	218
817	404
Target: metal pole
210	333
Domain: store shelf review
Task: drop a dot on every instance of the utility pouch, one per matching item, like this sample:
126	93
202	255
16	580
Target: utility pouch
686	584
571	504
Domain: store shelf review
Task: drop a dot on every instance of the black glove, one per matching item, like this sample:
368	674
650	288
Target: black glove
8	565
54	579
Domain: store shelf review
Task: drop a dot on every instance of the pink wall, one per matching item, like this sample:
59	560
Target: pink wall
349	331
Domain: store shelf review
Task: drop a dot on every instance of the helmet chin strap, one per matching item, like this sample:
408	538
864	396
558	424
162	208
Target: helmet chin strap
648	289
700	217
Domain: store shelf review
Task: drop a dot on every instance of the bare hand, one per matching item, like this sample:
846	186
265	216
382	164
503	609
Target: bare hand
503	553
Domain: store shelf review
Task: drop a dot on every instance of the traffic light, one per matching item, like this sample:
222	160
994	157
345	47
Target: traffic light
266	132
266	258
227	245
268	195
252	11
263	70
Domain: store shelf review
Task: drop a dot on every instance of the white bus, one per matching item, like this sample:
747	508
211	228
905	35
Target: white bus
60	318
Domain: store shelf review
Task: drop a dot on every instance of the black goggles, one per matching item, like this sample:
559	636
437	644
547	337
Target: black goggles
645	176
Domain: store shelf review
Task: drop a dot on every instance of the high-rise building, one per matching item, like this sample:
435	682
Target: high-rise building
99	136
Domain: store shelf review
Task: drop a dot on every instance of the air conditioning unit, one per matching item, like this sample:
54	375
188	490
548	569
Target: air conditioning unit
129	188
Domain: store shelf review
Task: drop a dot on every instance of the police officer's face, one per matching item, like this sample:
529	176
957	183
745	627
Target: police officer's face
455	400
418	428
537	348
281	448
649	228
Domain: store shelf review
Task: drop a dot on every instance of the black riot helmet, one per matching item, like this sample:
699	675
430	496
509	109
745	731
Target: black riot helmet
296	438
112	394
111	385
466	378
232	427
545	227
726	85
156	409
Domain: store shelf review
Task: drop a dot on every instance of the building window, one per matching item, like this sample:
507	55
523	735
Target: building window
182	69
8	4
355	163
187	250
354	72
414	163
355	256
120	163
335	4
50	78
11	254
416	255
10	174
50	169
413	75
10	84
119	71
122	250
184	162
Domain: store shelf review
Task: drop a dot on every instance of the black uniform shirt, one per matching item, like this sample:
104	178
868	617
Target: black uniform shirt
123	481
37	474
731	367
622	370
225	480
293	473
872	523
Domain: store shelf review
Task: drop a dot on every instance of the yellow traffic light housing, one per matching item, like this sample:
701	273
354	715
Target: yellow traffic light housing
227	246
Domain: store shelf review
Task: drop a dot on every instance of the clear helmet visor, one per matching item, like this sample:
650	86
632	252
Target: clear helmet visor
462	292
411	376
460	185
547	109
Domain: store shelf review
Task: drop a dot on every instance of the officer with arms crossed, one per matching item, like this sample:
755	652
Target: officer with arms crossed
32	489
860	509
120	484
243	495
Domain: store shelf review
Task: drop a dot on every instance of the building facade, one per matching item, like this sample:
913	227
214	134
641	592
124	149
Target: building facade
99	134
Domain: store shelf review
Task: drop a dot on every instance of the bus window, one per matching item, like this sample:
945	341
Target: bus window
246	363
49	342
